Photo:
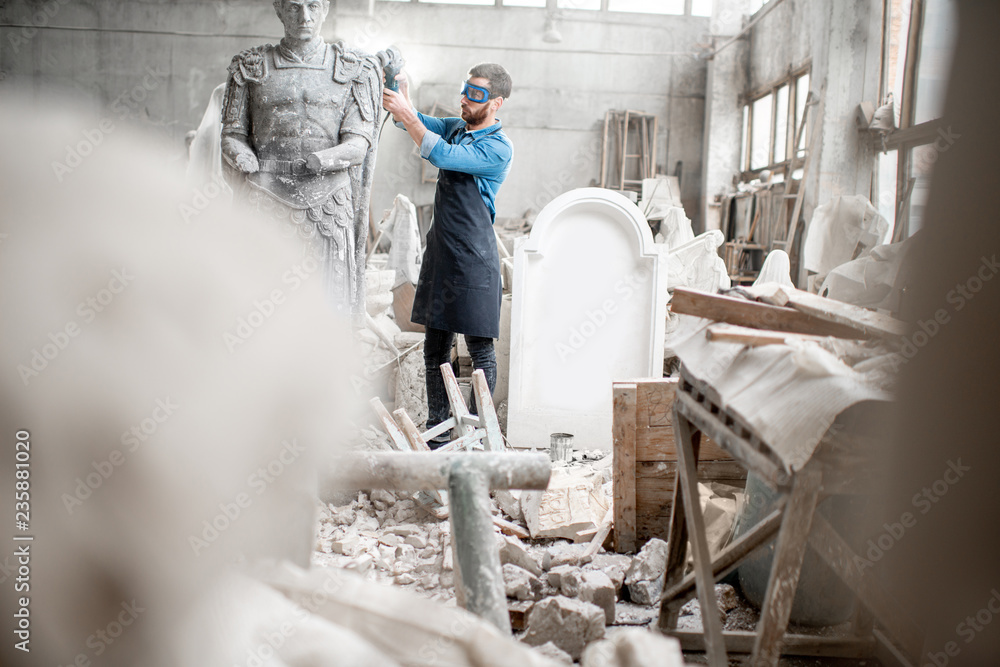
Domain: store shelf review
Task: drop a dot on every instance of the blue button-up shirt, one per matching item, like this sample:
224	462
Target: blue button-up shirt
485	154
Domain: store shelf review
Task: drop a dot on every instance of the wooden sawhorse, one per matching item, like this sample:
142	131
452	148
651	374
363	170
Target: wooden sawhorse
879	628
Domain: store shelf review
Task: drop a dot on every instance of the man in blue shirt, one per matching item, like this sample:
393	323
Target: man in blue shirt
459	286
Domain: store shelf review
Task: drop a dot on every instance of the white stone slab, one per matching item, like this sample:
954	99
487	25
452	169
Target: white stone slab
590	291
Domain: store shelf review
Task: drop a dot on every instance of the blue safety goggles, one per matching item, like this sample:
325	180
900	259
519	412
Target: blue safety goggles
476	94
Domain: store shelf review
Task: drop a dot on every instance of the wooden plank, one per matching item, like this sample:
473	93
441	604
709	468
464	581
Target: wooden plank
754	314
747	455
623	438
655	438
396	437
458	407
726	561
866	322
654	402
677	541
413	436
708	471
487	412
785	568
600	535
738	641
402	306
659	444
825	540
510	528
687	452
446	425
723	333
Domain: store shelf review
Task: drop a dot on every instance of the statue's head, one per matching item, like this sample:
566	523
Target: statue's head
302	19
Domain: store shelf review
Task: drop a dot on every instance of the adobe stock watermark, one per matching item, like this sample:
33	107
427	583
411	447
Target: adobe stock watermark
375	25
102	638
38	20
958	297
263	652
88	309
133	438
923	501
968	629
123	106
265	308
597	318
258	481
202	198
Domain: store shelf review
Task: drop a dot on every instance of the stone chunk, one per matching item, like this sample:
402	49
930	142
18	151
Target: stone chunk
564	553
416	541
519	614
726	598
634	648
521	584
644	577
382	499
613	565
566	579
597	588
646	592
569	624
550	650
649	563
512	550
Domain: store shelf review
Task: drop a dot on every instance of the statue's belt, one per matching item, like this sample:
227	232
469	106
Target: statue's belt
293	167
298	189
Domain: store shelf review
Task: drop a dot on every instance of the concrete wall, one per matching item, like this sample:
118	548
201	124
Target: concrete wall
554	117
842	40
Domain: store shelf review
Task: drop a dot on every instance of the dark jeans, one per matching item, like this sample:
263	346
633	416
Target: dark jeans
437	350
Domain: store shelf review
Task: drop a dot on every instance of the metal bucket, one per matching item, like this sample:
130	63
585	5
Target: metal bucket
560	446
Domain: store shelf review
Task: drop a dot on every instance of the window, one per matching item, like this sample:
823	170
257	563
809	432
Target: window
647	6
781	124
919	41
760	133
937	41
523	3
770	125
701	7
578	4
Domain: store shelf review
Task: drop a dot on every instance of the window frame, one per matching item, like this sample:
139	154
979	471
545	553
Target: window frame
551	5
788	163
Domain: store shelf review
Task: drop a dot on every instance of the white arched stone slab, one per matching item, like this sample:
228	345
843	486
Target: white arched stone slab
590	292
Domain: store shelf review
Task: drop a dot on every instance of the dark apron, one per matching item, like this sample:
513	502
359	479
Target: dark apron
459	286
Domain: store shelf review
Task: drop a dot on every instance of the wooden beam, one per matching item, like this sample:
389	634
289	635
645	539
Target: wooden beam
623	437
786	568
396	437
687	453
825	540
804	645
867	323
728	559
755	315
725	334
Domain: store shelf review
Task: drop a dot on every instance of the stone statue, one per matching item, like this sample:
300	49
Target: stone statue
300	124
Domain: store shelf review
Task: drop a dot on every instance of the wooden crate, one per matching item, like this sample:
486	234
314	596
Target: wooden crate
645	462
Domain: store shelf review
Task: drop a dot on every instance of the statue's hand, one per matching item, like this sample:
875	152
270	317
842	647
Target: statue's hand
318	163
247	163
240	155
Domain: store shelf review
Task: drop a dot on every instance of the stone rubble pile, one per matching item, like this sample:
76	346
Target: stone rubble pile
560	599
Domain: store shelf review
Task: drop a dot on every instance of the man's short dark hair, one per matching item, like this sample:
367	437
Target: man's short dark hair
497	76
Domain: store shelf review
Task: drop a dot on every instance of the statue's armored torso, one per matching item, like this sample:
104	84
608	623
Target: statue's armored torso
299	107
285	107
